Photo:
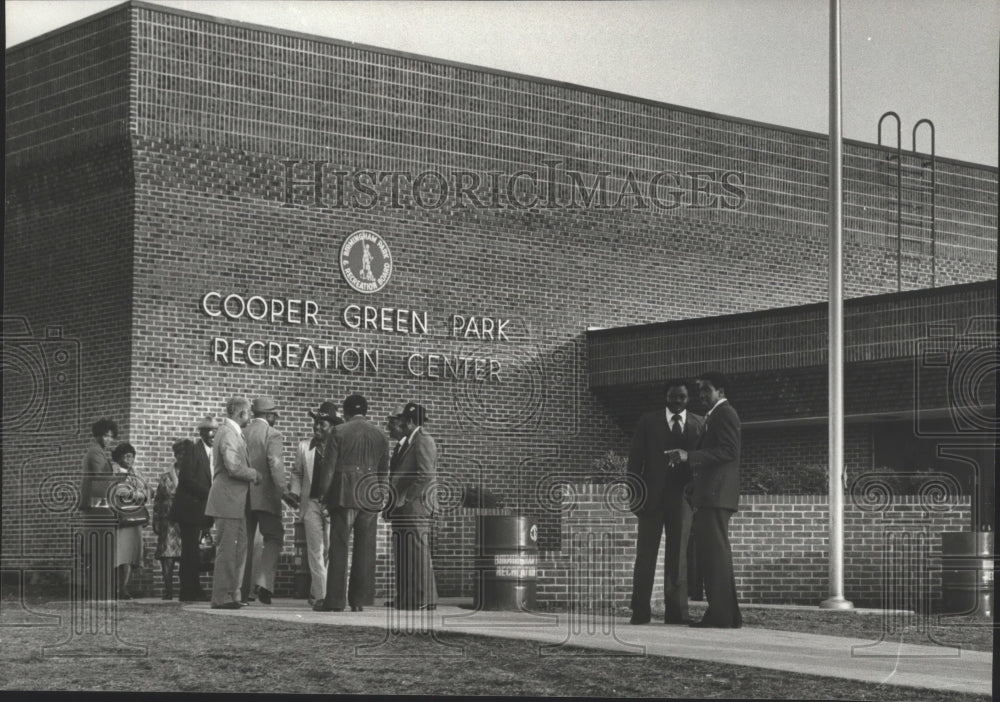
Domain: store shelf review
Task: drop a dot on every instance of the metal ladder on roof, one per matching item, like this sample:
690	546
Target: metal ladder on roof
915	180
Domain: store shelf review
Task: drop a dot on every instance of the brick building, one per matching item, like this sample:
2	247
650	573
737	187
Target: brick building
183	207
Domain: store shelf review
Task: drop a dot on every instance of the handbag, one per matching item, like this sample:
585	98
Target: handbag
206	553
132	518
125	493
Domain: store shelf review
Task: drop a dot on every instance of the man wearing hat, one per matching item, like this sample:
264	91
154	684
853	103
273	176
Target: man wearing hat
305	491
265	445
412	511
354	463
194	480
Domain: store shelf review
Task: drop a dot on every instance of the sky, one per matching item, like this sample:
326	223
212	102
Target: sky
763	60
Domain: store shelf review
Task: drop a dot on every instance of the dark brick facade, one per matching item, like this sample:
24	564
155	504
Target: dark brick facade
147	156
780	549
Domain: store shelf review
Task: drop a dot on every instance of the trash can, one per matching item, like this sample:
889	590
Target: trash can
967	572
506	562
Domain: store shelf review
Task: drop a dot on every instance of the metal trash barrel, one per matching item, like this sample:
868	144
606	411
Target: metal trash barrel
967	572
303	576
506	561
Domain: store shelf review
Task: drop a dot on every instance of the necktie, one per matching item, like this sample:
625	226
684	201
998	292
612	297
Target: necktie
677	430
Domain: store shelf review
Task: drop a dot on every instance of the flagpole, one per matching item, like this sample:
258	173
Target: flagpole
836	327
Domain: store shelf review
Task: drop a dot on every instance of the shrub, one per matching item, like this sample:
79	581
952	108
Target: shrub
810	479
607	468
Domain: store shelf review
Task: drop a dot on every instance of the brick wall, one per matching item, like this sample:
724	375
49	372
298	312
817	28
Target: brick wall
214	110
779	544
67	291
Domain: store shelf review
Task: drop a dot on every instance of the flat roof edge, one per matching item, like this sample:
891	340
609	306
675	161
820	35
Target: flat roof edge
855	301
143	4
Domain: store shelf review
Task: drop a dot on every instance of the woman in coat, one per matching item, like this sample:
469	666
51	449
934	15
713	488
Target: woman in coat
128	541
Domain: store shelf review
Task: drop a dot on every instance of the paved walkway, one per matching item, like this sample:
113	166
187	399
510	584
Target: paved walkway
883	662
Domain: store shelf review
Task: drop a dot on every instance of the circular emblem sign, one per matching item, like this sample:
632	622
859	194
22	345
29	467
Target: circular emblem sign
365	261
533	532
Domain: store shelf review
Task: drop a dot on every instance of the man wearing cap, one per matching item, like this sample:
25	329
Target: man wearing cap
305	490
412	512
264	444
354	464
194	479
227	503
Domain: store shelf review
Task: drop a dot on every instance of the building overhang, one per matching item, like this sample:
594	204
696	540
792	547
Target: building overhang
930	352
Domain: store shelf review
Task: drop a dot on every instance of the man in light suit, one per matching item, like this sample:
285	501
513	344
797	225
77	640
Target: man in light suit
353	467
227	503
664	506
412	511
265	445
715	467
194	480
305	491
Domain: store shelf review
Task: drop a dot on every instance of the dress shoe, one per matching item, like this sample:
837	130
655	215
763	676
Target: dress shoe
124	596
320	606
357	608
228	605
675	620
639	618
167	597
428	607
244	603
264	595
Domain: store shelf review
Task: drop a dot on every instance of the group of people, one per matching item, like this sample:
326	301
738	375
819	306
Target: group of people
120	463
687	468
344	476
233	479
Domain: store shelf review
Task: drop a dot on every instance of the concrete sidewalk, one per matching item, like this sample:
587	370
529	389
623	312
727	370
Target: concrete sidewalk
885	662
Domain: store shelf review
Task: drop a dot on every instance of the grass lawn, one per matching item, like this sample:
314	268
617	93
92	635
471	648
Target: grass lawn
196	652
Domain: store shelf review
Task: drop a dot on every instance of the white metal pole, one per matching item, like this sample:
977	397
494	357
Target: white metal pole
836	357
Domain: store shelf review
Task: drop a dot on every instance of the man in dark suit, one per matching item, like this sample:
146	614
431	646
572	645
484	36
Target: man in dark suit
715	467
412	511
265	444
227	503
355	461
663	506
194	479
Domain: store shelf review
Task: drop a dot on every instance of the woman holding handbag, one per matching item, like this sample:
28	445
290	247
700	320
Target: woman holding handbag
128	541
